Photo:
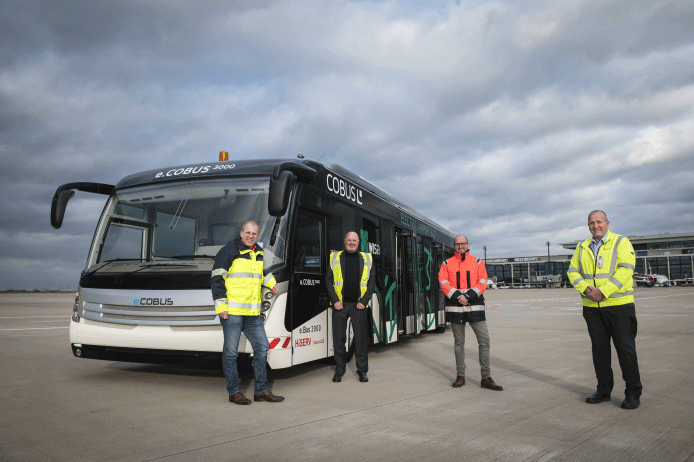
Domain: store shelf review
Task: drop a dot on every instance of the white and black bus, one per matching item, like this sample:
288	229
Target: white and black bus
144	294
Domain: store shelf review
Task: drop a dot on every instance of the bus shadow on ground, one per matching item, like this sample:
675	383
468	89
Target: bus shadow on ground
212	367
441	365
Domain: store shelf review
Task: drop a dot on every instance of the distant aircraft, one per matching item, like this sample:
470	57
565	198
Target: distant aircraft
650	279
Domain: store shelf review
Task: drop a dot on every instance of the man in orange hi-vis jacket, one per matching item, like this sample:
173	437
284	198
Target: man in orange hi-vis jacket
463	280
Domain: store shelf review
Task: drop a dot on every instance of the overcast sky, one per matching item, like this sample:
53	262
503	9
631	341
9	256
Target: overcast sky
506	121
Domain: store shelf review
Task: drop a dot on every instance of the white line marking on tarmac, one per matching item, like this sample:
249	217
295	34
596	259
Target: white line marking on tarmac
38	328
27	317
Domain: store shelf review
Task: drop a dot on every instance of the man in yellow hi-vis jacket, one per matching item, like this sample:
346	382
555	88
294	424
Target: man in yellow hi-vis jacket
237	278
602	270
350	281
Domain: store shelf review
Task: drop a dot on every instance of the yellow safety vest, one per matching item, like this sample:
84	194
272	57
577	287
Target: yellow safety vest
338	281
244	282
615	278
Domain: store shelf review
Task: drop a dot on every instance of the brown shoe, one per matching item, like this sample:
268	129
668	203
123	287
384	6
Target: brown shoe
238	398
489	383
268	396
459	381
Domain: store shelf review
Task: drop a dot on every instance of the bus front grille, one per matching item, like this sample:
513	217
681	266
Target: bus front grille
150	315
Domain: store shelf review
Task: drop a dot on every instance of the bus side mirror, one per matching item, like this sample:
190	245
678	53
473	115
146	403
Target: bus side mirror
278	197
65	192
58	207
281	185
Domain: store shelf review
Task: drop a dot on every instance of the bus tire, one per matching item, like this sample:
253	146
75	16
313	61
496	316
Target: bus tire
349	344
440	329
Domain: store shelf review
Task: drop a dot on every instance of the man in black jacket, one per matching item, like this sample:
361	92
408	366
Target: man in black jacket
350	282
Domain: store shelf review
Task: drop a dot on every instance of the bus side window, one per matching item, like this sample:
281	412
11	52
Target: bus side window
307	245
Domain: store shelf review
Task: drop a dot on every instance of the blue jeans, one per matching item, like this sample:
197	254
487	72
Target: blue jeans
254	330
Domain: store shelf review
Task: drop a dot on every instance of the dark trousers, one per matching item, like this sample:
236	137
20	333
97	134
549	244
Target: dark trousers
619	324
360	327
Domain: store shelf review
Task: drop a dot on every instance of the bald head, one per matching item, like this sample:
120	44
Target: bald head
249	233
598	224
604	215
461	244
351	242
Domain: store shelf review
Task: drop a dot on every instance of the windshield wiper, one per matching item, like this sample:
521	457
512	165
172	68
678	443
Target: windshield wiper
145	264
190	257
169	265
106	262
123	259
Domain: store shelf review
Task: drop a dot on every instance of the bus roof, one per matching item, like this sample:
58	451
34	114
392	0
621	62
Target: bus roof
259	167
202	170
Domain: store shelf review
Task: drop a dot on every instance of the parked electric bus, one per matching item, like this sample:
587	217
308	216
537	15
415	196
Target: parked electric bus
144	293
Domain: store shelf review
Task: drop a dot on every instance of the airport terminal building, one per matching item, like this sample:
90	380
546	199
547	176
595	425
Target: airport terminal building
671	255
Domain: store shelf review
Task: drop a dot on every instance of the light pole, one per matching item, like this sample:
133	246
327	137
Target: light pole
485	254
548	269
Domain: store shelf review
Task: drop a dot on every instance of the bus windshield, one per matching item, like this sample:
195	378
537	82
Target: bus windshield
180	227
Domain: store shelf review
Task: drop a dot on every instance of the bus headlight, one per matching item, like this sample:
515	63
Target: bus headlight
267	301
76	307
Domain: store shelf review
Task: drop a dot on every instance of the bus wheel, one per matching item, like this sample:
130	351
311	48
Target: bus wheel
440	329
244	362
349	343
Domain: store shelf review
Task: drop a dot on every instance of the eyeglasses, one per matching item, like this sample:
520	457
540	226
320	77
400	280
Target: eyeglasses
460	243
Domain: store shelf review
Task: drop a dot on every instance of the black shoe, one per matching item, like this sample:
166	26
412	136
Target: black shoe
630	402
489	383
362	376
238	398
337	378
597	397
268	396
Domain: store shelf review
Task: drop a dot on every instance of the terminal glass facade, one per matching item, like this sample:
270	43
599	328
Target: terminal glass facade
675	267
512	273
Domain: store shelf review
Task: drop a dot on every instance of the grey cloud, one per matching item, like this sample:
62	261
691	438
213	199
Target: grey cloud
506	121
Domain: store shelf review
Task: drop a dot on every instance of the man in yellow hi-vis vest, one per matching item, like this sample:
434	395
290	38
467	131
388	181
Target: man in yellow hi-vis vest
350	281
237	278
602	270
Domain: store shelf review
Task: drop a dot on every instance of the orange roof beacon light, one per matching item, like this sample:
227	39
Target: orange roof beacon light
223	156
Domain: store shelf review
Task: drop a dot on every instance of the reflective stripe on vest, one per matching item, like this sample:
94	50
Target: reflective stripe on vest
220	272
245	275
464	309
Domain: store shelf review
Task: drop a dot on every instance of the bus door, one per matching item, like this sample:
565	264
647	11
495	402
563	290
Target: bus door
370	235
309	299
439	298
388	283
429	283
404	274
420	282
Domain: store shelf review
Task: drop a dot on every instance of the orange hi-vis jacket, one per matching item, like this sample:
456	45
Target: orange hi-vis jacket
463	275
